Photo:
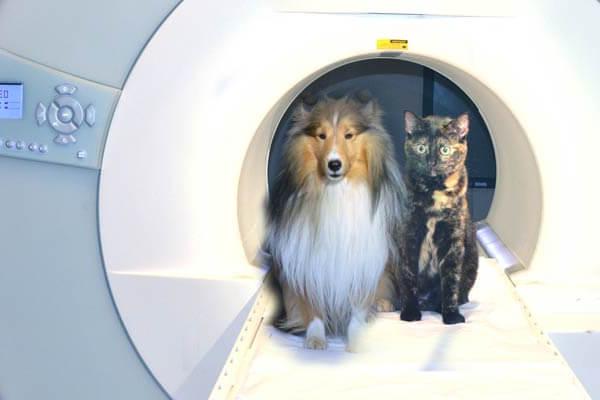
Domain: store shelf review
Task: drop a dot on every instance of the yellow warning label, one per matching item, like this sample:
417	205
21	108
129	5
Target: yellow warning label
392	44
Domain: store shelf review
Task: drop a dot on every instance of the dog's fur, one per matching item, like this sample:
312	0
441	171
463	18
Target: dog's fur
332	233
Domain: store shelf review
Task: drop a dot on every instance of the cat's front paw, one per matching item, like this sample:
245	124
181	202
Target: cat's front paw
410	314
453	317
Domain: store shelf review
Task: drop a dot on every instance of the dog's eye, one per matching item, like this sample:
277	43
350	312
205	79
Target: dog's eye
322	136
348	135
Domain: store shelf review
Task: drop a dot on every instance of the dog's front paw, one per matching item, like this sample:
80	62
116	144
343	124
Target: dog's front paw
384	305
453	317
315	343
355	345
356	332
315	335
410	314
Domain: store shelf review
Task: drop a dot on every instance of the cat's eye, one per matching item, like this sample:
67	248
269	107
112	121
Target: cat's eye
322	136
348	135
445	150
421	148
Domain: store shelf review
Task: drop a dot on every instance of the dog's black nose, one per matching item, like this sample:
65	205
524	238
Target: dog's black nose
334	165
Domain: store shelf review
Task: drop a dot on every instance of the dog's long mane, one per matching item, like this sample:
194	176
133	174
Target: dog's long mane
366	214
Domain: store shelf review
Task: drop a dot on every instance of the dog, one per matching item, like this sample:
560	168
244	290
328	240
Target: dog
333	216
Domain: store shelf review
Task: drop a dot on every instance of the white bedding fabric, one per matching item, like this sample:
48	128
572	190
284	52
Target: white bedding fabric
498	354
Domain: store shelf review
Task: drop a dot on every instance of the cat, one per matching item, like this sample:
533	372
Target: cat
439	246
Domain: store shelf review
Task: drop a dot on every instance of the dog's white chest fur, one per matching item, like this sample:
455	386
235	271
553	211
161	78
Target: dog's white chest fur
335	251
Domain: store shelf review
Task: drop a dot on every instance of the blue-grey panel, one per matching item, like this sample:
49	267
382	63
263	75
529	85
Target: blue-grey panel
96	40
61	337
88	105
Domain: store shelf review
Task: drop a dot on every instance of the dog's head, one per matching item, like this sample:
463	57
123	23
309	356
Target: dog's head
331	138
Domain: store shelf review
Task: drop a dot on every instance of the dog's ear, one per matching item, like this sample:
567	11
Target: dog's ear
370	108
301	114
303	110
373	112
309	99
363	96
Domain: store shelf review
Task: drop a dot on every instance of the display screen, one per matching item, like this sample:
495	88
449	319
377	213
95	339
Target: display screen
11	100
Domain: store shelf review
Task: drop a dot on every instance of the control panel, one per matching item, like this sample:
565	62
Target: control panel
65	114
50	116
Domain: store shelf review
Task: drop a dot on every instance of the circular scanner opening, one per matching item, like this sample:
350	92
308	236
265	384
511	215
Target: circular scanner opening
398	86
196	248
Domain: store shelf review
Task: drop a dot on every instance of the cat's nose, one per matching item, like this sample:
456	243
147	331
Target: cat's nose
334	165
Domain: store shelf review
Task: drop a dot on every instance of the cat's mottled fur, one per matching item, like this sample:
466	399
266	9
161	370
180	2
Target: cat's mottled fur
439	246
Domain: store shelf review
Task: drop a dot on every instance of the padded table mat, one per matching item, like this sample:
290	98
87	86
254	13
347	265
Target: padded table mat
500	353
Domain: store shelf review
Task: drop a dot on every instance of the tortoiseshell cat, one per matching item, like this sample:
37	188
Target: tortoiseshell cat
440	251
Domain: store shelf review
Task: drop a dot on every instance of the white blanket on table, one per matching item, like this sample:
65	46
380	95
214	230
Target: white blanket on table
498	354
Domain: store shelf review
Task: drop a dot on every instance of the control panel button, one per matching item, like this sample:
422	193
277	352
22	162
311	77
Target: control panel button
20	145
64	139
65	102
40	113
33	147
43	149
10	144
66	88
81	154
90	115
58	125
65	114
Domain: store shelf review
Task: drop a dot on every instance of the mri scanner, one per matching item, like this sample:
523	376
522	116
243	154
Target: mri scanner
134	148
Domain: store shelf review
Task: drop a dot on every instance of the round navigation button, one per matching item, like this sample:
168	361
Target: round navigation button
43	148
57	124
65	114
74	105
33	147
20	145
10	144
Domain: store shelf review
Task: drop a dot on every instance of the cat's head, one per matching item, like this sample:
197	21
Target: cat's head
435	145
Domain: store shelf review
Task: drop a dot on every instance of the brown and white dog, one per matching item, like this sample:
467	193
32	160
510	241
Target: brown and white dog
333	216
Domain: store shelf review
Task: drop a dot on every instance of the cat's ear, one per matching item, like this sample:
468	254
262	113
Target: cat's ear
411	122
460	125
